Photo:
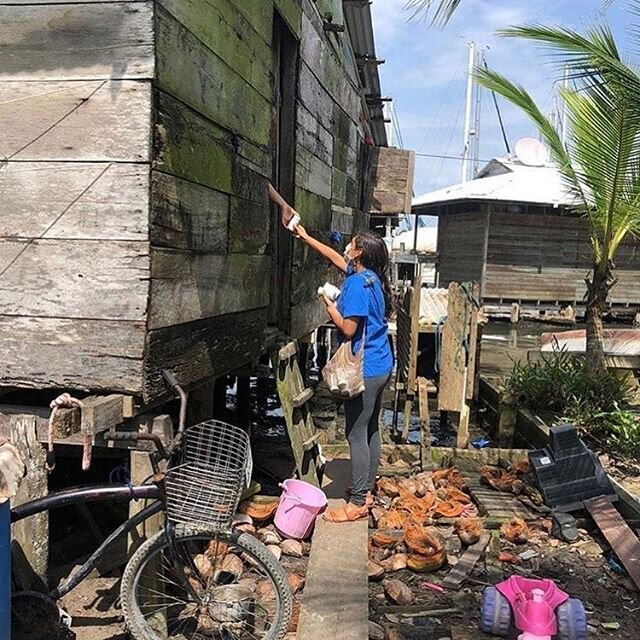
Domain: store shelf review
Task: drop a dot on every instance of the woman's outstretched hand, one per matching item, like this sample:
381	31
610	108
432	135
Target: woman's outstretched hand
301	232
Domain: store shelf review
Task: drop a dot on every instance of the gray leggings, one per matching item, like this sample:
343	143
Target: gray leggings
363	433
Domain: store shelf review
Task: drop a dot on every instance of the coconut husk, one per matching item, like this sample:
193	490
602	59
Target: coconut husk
296	582
375	571
423	541
521	468
398	592
295	618
232	564
450	477
515	531
497	478
387	537
455	495
258	511
388	487
469	530
409	484
426	564
217	549
449	509
392	519
396	562
204	566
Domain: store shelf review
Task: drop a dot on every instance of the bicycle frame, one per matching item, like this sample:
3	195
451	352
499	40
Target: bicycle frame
93	494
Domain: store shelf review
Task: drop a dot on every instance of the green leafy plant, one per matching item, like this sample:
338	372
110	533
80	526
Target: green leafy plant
562	385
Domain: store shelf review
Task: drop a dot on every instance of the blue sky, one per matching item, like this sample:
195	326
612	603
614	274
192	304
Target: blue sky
425	72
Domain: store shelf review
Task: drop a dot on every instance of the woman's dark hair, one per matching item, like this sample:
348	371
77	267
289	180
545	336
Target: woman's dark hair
375	256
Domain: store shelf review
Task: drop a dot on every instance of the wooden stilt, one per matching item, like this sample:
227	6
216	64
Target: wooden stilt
200	405
243	402
425	427
220	398
30	537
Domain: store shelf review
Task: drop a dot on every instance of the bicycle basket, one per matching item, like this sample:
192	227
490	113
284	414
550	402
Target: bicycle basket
205	487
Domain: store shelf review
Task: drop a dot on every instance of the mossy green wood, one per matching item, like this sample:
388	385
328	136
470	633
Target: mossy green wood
227	32
211	87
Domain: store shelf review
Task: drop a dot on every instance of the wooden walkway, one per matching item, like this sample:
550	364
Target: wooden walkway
335	605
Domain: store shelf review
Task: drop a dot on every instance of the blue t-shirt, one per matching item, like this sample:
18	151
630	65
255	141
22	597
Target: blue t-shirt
362	298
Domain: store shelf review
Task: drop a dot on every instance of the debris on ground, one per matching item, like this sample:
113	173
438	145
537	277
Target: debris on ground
417	519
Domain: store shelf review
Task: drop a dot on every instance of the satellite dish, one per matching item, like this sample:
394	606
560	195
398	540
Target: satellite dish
532	152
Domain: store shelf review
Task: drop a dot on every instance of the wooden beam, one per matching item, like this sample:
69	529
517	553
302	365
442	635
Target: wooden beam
30	537
618	534
463	568
301	398
101	413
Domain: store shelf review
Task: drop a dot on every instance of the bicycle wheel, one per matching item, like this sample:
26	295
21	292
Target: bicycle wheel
205	586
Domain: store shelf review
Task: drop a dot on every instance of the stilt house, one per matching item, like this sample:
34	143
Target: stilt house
137	139
512	230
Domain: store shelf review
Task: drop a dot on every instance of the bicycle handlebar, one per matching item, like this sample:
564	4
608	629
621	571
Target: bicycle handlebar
122	436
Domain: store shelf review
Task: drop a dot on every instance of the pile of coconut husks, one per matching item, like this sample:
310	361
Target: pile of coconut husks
255	516
406	510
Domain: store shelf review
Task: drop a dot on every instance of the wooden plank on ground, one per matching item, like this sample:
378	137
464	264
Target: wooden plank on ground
336	595
496	504
463	568
96	120
618	534
77	41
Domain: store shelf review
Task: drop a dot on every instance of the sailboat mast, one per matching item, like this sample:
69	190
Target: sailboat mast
476	126
466	152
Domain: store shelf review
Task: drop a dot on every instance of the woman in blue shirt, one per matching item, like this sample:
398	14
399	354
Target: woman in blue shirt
361	314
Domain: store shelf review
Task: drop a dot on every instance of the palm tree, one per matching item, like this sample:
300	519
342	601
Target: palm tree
439	10
601	161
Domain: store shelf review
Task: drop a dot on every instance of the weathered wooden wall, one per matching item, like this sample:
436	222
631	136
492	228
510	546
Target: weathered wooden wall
135	232
75	131
528	257
462	246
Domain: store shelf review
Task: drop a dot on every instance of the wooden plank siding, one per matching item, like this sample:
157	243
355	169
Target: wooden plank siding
529	257
136	233
462	247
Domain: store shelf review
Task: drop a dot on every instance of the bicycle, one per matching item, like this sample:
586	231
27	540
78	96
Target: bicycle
197	578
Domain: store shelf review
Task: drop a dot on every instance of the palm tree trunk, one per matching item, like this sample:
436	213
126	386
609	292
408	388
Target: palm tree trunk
598	289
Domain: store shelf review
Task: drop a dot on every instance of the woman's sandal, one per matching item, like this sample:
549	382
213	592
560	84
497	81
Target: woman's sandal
348	513
369	500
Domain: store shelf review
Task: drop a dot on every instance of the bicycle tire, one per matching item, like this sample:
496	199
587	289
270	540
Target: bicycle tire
137	625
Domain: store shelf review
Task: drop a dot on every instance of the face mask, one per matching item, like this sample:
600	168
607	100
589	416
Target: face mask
345	255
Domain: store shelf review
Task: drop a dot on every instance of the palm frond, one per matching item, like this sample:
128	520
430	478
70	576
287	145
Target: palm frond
594	54
438	11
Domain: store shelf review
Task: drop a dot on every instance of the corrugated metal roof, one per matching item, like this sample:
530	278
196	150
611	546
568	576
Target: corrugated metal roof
433	305
504	180
616	342
360	26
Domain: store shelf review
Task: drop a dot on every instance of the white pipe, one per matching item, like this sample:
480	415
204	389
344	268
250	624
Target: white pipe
467	115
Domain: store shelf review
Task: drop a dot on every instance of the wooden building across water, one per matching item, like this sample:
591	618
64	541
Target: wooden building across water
512	230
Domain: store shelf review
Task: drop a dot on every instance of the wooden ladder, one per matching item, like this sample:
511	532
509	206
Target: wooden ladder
294	398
